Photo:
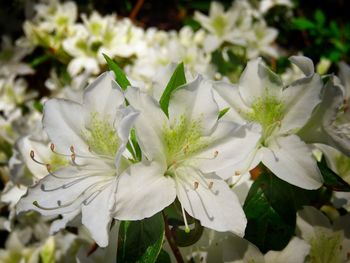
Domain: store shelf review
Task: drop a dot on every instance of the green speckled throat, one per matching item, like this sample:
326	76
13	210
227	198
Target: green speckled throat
101	136
183	140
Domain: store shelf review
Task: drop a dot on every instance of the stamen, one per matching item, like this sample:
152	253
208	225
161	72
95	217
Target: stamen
187	229
32	156
196	184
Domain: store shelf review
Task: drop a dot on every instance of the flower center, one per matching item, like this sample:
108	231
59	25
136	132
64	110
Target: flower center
326	246
101	136
268	112
182	139
56	161
219	25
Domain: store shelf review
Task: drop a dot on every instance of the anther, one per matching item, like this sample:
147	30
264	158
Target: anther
196	184
237	173
73	157
32	154
210	186
52	147
49	168
216	154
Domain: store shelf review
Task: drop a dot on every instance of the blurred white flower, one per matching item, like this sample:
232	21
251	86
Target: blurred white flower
261	97
329	242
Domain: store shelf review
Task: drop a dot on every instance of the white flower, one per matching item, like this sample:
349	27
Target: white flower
259	40
330	122
94	136
329	243
261	97
225	247
182	154
224	26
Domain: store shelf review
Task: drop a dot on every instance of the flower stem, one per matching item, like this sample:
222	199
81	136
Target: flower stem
171	241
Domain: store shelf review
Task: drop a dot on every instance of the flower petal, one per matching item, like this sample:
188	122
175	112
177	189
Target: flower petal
295	252
143	191
300	99
64	122
290	159
96	214
62	192
103	95
257	81
195	101
230	94
211	201
229	145
149	123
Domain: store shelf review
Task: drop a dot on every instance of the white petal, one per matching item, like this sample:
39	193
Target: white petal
195	101
257	81
61	195
295	252
149	123
300	99
230	94
291	160
124	121
308	218
96	214
305	64
217	208
344	75
62	222
143	191
103	95
229	145
42	154
211	43
243	251
64	122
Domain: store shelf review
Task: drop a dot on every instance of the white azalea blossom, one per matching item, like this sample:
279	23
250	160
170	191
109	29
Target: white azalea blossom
181	155
229	248
93	135
261	97
329	123
224	26
329	242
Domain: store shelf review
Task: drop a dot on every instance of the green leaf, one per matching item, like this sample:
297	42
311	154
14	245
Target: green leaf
177	79
119	74
38	106
270	208
223	112
134	147
163	257
141	241
331	179
320	18
303	24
